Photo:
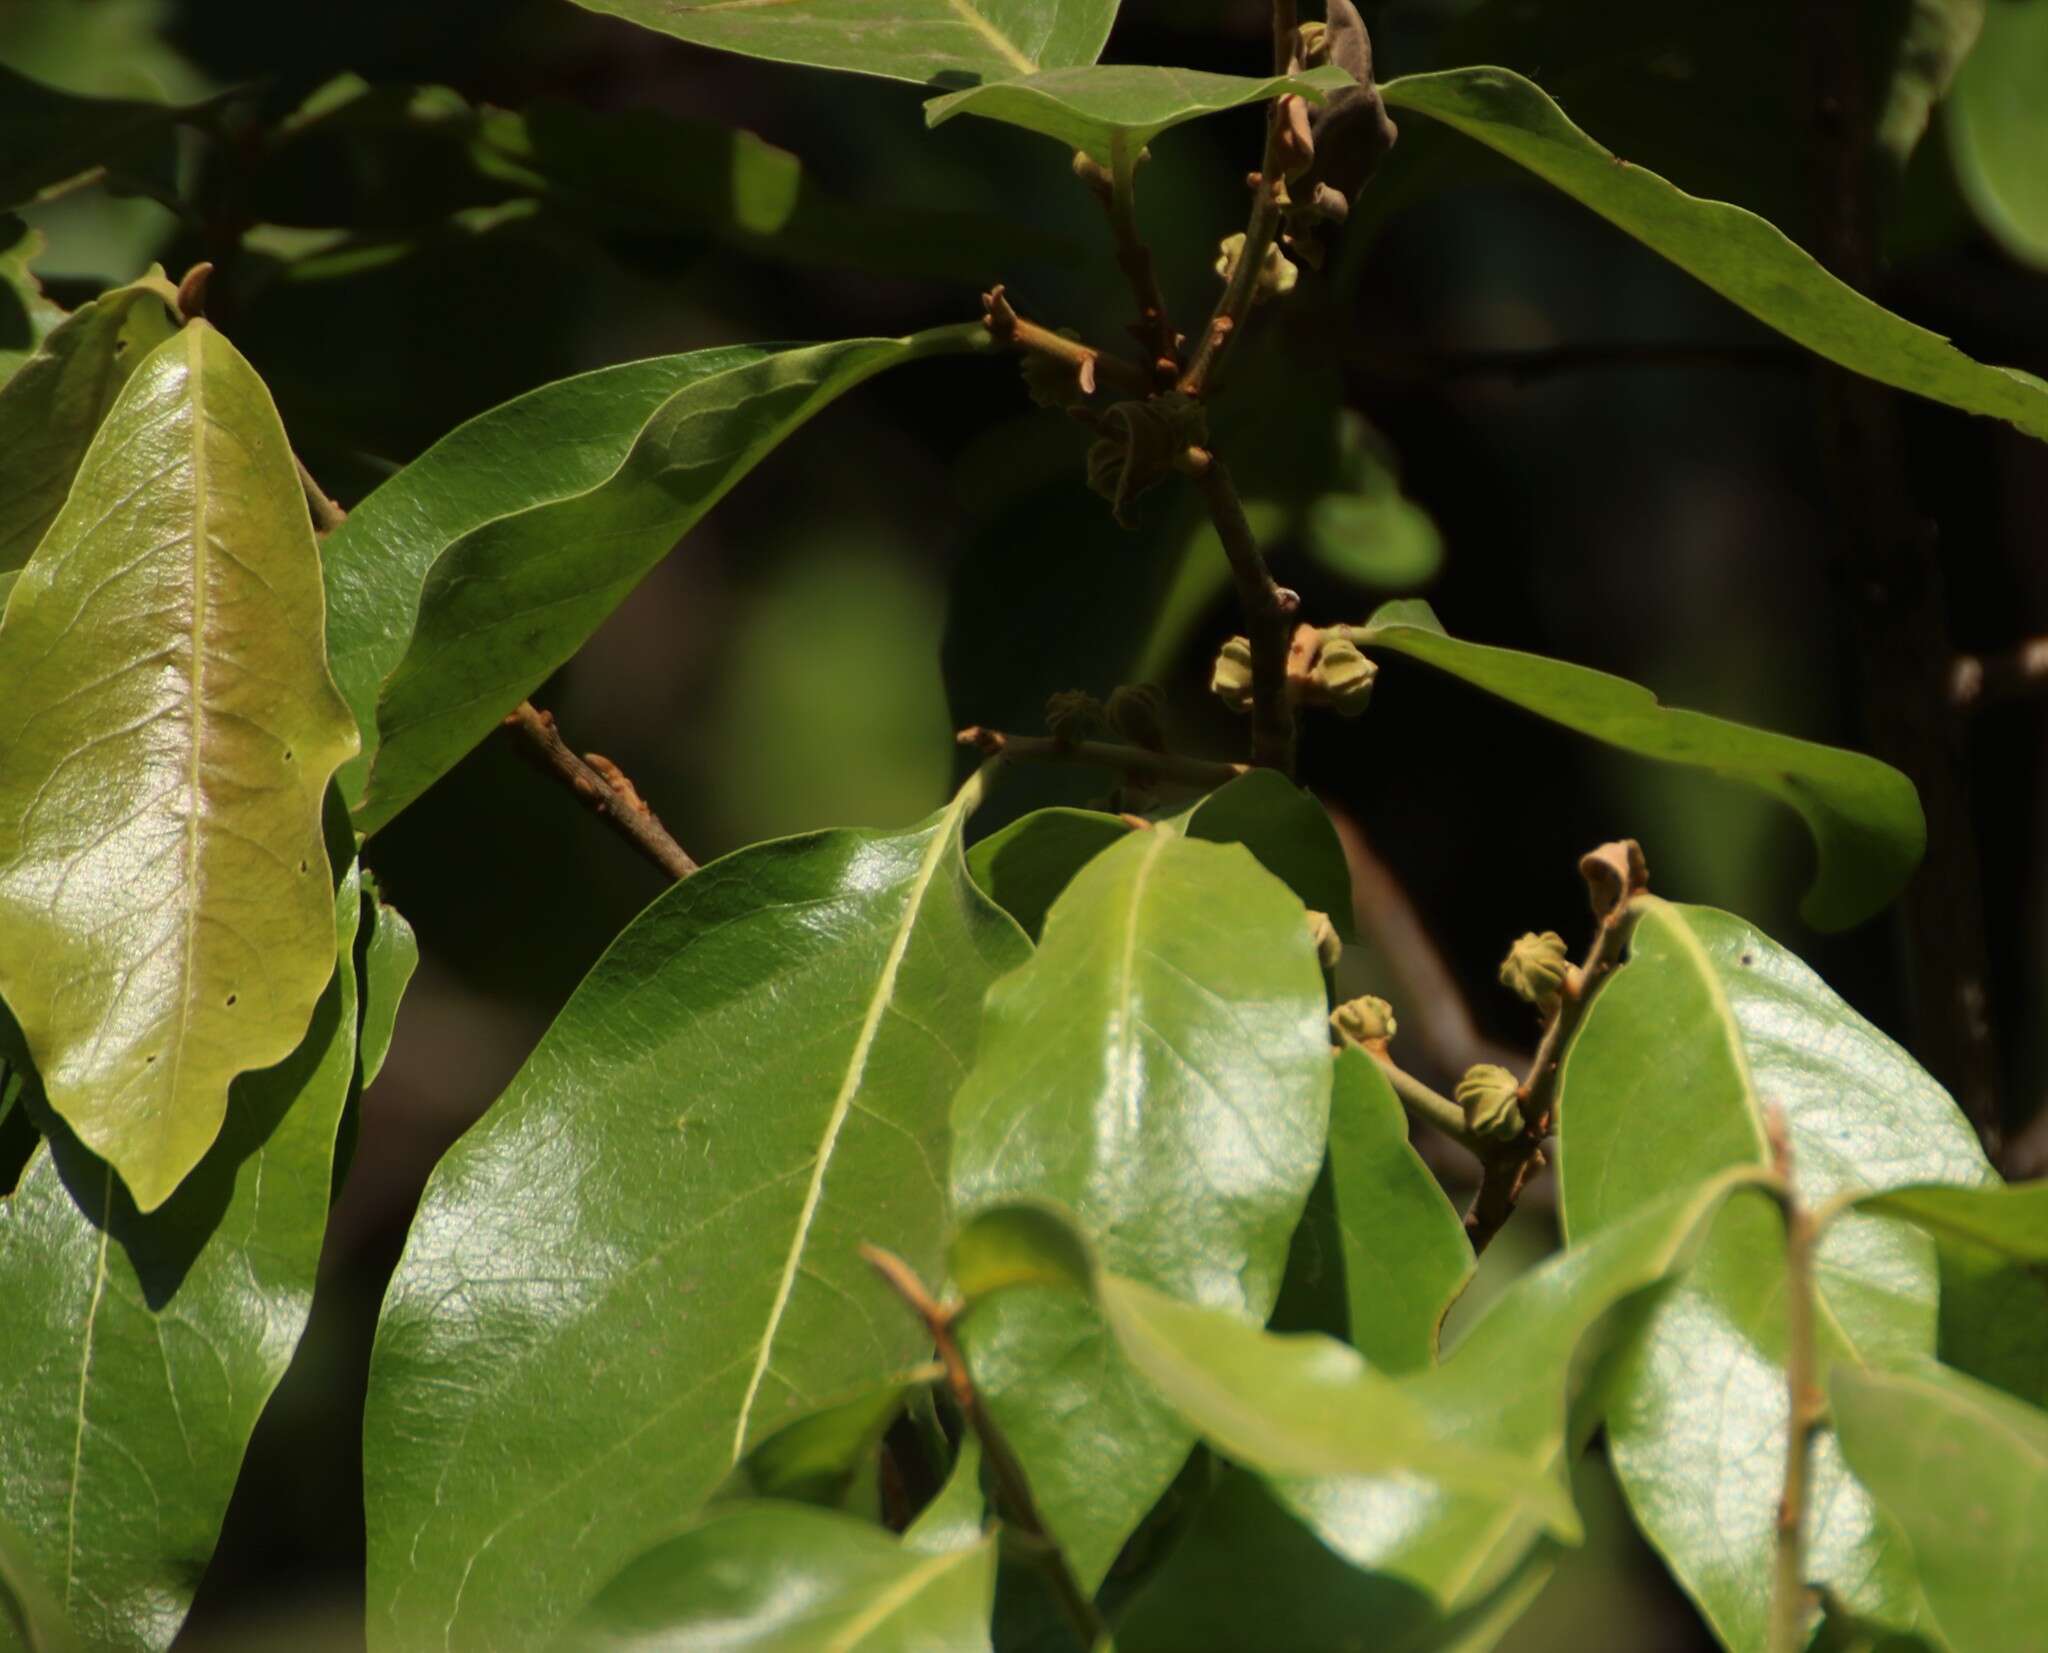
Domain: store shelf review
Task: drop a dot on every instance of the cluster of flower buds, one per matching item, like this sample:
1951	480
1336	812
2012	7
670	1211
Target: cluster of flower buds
1230	680
1073	714
1277	274
1491	1098
1364	1021
1341	677
1137	711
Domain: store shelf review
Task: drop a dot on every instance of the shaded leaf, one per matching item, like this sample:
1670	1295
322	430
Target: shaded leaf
955	1517
1864	815
1963	1471
1288	833
169	729
469	577
1707	1025
53	404
29	1614
1515	1384
1405	1254
390	955
2011	1219
943	42
1161	1068
1024	866
27	317
1366	529
143	1348
1737	254
778	1578
1997	128
642	1262
49	137
816	1459
1113	110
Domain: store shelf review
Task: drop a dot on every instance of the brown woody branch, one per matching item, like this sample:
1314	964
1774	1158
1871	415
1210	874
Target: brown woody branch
1092	368
1140	761
1013	1500
598	782
1805	1407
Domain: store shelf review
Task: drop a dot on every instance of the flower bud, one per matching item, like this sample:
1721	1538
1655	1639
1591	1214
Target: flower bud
1230	681
1277	273
1492	1099
1537	968
1613	873
1362	1021
1072	714
1315	45
1344	676
1137	711
1329	945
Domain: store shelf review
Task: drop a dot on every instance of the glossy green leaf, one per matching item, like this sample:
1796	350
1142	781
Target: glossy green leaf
2009	1218
1405	1254
1161	1069
1709	1024
956	1517
1249	1574
1113	110
1737	254
50	137
1286	1404
143	1348
30	1619
1963	1471
1288	833
390	955
780	1578
1864	816
643	1261
464	581
942	42
1541	1334
27	317
1997	126
52	406
1024	866
167	732
817	1459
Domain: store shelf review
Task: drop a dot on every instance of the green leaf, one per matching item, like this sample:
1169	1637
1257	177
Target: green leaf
1963	1471
1736	253
29	1615
1509	1387
1406	1257
1288	833
1367	530
1307	1599
143	1348
390	955
27	317
939	42
464	581
1864	816
778	1578
1024	867
167	731
49	138
956	1517
1113	110
1161	1068
1707	1025
1285	1404
816	1459
1997	128
642	1262
2011	1219
53	404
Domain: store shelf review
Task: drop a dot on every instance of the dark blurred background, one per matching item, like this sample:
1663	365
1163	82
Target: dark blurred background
1596	459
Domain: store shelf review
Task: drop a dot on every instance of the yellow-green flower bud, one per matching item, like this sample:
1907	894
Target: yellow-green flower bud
1315	45
1137	711
1329	945
1537	967
1277	273
1072	714
1492	1099
1344	676
1231	679
1363	1021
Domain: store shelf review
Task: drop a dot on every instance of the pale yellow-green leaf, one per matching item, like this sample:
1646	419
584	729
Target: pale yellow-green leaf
167	728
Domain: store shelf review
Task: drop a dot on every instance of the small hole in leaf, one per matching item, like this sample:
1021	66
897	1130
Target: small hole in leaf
231	999
303	867
1748	958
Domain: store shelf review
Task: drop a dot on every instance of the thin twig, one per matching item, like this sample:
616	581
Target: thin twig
1092	367
1286	37
1269	611
598	782
1014	1503
327	515
1804	1406
1979	680
1115	187
1203	773
1432	1107
1614	876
